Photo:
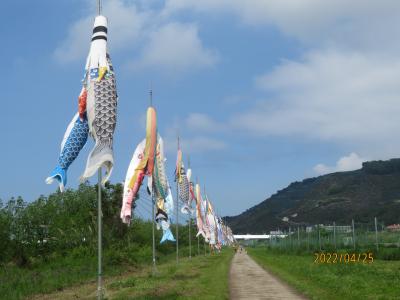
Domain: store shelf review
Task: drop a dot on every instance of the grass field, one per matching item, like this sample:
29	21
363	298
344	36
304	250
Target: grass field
204	277
18	283
378	280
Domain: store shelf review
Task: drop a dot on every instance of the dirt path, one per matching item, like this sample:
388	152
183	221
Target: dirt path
250	281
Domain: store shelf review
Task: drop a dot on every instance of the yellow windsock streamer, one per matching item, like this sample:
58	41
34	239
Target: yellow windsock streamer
146	165
179	166
210	208
151	139
160	204
198	198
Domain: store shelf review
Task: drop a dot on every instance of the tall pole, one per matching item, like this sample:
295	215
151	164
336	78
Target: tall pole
154	270
99	7
376	234
298	236
190	219
205	218
153	205
99	238
177	210
334	234
99	217
151	95
354	234
190	236
177	223
319	239
198	245
198	237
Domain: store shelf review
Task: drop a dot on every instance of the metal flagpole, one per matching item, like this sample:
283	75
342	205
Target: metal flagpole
153	205
190	219
190	238
154	271
376	234
205	217
99	216
99	237
177	223
177	213
198	237
99	7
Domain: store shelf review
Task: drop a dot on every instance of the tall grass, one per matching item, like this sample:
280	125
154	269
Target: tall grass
377	280
79	264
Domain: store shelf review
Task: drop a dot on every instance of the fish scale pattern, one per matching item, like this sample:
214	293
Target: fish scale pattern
183	186
159	178
105	109
74	143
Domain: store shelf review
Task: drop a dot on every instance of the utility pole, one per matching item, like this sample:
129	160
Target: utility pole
354	234
376	234
190	219
334	234
177	209
298	237
154	270
319	239
99	232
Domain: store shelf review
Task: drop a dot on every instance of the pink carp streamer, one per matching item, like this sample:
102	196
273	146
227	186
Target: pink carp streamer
142	164
178	169
199	213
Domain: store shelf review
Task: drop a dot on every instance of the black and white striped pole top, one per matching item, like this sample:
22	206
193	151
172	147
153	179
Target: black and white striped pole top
97	58
100	28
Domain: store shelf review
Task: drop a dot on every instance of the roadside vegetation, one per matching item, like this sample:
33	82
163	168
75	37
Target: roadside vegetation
202	277
50	244
377	280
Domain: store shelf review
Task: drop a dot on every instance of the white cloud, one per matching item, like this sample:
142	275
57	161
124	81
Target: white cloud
163	43
175	47
76	45
125	26
202	144
347	163
343	90
195	144
195	135
202	122
357	22
345	87
332	96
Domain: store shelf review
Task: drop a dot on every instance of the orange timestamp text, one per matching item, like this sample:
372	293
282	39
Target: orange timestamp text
343	258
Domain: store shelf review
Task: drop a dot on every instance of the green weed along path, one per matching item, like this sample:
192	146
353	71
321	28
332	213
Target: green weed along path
203	277
379	280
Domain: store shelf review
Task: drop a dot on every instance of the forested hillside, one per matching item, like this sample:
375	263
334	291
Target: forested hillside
373	191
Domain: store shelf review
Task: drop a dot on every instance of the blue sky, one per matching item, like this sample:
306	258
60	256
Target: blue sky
262	93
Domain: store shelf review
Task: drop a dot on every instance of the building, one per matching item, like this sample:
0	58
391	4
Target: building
330	228
393	227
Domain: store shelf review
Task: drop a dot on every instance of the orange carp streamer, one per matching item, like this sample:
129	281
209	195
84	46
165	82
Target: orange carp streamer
82	103
143	167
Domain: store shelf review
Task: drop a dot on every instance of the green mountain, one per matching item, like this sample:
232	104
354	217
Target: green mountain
373	191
